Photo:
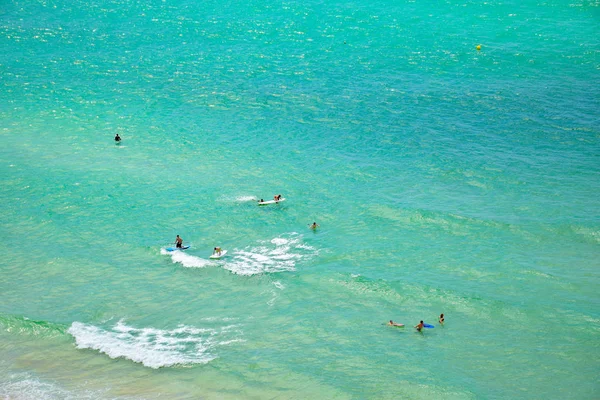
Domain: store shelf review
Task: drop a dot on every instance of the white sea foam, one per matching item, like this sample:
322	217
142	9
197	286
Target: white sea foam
154	348
240	199
187	260
246	198
276	255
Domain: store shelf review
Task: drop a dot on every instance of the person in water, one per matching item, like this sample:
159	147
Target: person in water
314	225
419	326
117	138
178	242
441	319
217	251
392	323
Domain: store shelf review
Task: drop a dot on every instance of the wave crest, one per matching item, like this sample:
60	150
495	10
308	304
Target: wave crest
154	348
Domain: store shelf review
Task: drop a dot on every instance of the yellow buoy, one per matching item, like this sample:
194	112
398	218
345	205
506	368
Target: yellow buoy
478	47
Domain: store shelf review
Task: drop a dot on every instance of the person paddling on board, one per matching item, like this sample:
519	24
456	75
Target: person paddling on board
419	326
178	242
314	225
441	319
217	251
117	138
392	323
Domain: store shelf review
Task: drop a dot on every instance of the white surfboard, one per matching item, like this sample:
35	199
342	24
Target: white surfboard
218	255
264	203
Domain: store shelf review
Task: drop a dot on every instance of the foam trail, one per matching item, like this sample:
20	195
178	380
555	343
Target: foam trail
239	199
246	198
154	348
187	260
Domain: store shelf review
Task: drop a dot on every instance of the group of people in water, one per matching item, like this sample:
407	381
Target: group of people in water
218	250
419	327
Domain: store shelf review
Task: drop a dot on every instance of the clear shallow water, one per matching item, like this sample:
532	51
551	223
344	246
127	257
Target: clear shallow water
444	180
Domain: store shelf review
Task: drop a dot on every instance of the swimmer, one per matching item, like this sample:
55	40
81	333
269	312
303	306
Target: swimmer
117	138
419	326
392	323
441	319
314	225
178	242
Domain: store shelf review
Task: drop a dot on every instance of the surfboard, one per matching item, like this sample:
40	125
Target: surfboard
264	203
177	248
217	256
397	325
428	326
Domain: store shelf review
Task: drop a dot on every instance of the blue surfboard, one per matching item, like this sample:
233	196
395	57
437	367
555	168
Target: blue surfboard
428	326
177	248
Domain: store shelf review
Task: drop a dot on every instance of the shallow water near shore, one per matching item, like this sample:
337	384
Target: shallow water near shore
444	180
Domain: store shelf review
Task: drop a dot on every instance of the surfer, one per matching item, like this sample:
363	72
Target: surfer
392	323
277	197
117	138
178	242
441	319
419	326
217	251
314	225
261	201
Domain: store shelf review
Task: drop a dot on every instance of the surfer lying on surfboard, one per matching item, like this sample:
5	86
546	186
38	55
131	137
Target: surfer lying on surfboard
392	323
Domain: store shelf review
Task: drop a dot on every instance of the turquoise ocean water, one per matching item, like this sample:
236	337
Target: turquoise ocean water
444	180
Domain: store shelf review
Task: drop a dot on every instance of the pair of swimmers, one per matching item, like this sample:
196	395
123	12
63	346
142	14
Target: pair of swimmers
420	325
179	245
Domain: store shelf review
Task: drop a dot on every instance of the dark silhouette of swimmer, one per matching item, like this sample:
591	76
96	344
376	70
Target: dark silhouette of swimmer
117	138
